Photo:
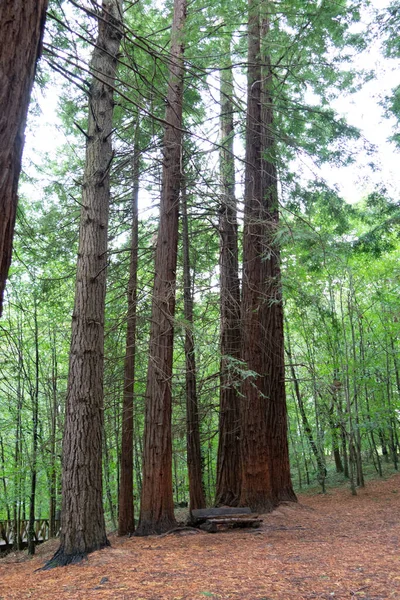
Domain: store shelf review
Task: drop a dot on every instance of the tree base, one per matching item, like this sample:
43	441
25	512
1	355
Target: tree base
287	495
146	528
227	499
62	559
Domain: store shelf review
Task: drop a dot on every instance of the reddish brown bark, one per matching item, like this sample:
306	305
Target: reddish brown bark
265	459
274	341
126	521
194	458
228	460
21	31
157	507
82	518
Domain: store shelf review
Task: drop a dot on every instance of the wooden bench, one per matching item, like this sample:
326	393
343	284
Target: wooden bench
211	519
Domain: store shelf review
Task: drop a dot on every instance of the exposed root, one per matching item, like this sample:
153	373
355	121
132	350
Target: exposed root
62	559
148	528
181	530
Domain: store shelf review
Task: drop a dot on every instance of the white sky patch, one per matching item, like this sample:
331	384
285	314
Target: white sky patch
362	109
43	135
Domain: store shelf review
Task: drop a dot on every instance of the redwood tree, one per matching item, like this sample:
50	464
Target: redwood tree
264	446
21	31
228	461
126	522
194	457
82	517
157	506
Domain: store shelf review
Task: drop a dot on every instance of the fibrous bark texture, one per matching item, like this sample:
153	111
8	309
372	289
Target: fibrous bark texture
228	461
157	507
265	459
82	518
194	458
126	522
21	31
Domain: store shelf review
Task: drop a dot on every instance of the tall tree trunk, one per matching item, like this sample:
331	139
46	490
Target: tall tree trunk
348	433
53	413
157	506
194	457
82	517
21	31
392	423
255	447
265	455
395	364
228	461
383	441
304	419
34	393
107	481
335	428
4	479
396	369
17	488
126	521
274	343
357	434
319	434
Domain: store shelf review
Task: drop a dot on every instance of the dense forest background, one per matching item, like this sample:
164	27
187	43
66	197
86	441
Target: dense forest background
339	258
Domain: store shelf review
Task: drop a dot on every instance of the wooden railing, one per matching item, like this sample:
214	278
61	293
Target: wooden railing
8	533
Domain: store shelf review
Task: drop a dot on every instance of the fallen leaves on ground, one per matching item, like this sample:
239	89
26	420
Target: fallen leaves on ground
331	546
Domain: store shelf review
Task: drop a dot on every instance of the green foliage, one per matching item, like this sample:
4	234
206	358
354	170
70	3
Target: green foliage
339	262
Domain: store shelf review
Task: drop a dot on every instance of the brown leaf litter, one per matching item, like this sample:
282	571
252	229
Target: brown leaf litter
332	546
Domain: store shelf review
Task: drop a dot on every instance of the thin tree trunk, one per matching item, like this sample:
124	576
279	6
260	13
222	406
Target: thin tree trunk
382	439
343	435
319	437
107	479
304	419
126	521
21	31
157	506
303	453
396	369
335	437
53	430
35	423
138	458
392	419
357	434
335	420
395	363
296	454
228	460
264	446
373	444
194	456
4	479
17	542
82	516
349	435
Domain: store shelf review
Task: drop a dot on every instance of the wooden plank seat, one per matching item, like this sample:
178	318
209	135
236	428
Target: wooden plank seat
211	519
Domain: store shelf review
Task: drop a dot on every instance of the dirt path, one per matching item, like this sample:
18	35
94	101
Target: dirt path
333	546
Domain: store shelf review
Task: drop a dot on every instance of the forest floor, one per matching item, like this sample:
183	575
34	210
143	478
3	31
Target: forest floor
328	546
